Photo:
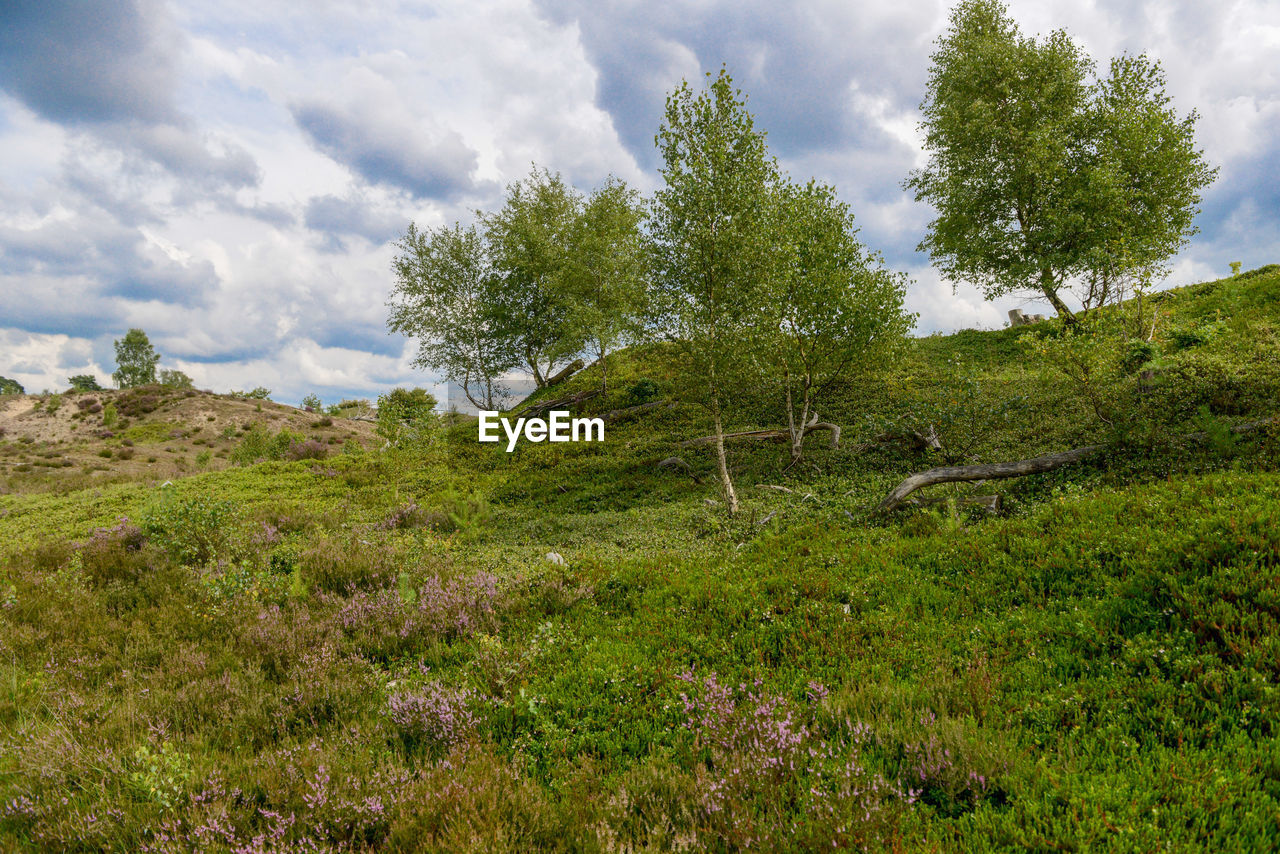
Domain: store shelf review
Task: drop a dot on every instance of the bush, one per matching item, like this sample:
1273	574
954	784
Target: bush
642	391
406	415
435	718
192	531
258	445
175	379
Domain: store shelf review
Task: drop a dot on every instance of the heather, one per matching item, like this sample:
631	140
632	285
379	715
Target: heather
373	652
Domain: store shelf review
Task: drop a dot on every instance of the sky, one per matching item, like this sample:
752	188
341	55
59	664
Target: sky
230	176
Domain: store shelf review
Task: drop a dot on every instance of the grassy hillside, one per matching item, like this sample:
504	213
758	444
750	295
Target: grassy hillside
370	648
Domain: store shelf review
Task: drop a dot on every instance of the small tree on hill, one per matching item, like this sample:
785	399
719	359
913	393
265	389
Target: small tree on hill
136	360
711	245
175	379
8	386
529	241
1040	178
604	276
834	311
405	413
84	382
447	295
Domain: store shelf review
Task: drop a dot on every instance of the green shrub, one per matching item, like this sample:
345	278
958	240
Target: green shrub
259	393
641	391
192	531
407	415
175	379
258	445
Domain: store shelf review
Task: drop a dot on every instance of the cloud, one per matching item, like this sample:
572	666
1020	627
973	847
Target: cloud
108	69
229	176
797	61
355	215
370	129
91	258
45	361
83	63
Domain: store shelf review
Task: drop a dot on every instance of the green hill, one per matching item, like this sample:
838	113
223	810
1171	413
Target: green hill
444	646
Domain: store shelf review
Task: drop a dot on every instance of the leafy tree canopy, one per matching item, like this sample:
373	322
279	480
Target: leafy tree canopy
136	360
448	296
711	243
175	379
84	382
530	241
1043	175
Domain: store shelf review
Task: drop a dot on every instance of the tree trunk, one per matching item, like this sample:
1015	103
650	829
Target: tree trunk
730	497
1050	290
797	436
565	372
538	380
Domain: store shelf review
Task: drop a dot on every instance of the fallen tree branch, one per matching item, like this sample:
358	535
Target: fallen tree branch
985	471
1021	468
770	435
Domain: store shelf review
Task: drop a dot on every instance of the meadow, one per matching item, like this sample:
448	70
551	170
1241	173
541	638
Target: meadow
366	647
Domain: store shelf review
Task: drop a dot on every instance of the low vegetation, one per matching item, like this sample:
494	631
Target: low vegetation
373	650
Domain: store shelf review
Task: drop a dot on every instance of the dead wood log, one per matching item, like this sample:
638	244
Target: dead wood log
566	372
770	435
985	471
1021	468
543	406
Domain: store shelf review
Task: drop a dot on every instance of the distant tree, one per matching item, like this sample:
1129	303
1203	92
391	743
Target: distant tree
834	311
447	295
405	413
135	360
529	239
711	243
1040	178
604	276
175	379
8	386
313	402
259	393
84	382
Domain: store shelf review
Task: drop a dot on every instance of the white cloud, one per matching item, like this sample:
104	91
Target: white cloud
274	235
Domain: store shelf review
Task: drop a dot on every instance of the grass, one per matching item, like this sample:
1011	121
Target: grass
372	651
